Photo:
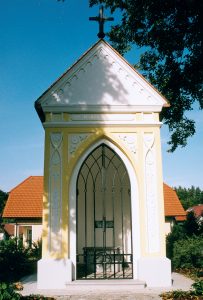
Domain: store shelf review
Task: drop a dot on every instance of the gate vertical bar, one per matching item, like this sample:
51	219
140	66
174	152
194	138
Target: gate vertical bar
94	253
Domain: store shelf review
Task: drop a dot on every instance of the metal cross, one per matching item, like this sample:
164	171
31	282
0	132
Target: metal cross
101	19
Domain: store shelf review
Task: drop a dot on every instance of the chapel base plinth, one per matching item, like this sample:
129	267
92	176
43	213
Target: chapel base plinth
53	273
156	272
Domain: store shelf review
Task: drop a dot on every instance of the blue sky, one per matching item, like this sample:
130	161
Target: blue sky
39	40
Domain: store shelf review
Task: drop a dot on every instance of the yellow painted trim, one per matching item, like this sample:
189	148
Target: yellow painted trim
45	196
137	161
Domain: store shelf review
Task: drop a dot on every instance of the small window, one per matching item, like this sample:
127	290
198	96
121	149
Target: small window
29	237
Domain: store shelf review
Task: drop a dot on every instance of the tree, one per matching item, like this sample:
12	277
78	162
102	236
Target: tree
3	198
187	235
177	233
187	253
191	226
189	196
170	33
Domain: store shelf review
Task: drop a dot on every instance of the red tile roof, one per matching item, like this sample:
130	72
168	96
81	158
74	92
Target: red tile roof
172	204
25	200
197	209
9	228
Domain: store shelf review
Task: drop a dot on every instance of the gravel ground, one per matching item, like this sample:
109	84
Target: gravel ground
105	292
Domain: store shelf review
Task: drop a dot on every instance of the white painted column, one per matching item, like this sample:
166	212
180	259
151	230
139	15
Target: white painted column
54	272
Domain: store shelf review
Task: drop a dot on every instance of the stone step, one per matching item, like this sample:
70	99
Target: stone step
108	283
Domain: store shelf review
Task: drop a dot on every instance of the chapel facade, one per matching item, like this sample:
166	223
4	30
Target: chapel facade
103	206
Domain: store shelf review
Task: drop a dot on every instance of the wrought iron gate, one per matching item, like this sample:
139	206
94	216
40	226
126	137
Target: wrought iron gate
104	238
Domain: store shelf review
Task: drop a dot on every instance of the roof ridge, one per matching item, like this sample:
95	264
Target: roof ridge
26	179
21	183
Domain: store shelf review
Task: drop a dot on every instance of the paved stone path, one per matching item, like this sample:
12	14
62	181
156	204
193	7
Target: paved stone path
108	296
106	292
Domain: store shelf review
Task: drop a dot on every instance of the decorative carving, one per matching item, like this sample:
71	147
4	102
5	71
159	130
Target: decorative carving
56	139
130	140
101	53
151	194
102	117
56	96
74	140
57	117
55	195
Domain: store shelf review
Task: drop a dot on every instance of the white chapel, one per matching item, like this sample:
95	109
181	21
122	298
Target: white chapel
103	206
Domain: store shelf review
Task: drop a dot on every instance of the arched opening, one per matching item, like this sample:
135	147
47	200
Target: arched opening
103	217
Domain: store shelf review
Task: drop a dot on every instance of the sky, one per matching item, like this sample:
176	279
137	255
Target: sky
39	40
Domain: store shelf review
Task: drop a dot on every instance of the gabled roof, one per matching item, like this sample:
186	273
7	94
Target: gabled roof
25	201
100	80
172	204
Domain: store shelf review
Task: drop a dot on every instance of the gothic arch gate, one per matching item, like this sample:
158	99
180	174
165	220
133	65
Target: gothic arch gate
103	217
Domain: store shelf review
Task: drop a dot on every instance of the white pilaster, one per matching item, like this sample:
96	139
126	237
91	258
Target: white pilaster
54	273
155	271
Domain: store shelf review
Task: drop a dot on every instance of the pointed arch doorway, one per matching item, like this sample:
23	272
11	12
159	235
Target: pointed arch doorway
103	217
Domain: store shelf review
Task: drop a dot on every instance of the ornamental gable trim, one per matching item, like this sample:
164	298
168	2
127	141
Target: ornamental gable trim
104	81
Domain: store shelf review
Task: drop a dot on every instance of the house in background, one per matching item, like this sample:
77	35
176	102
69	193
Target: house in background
9	230
1	234
174	211
24	209
198	212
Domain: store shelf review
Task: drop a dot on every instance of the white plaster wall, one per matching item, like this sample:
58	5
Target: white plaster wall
167	227
36	233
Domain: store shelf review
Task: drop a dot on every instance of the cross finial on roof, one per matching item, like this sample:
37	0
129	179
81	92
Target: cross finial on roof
101	19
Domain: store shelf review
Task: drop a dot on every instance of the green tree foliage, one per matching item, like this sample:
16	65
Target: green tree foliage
189	196
177	233
188	253
16	260
7	292
181	244
191	226
3	198
13	256
170	33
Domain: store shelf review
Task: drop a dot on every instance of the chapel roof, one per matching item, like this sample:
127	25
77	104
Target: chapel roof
75	69
25	200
